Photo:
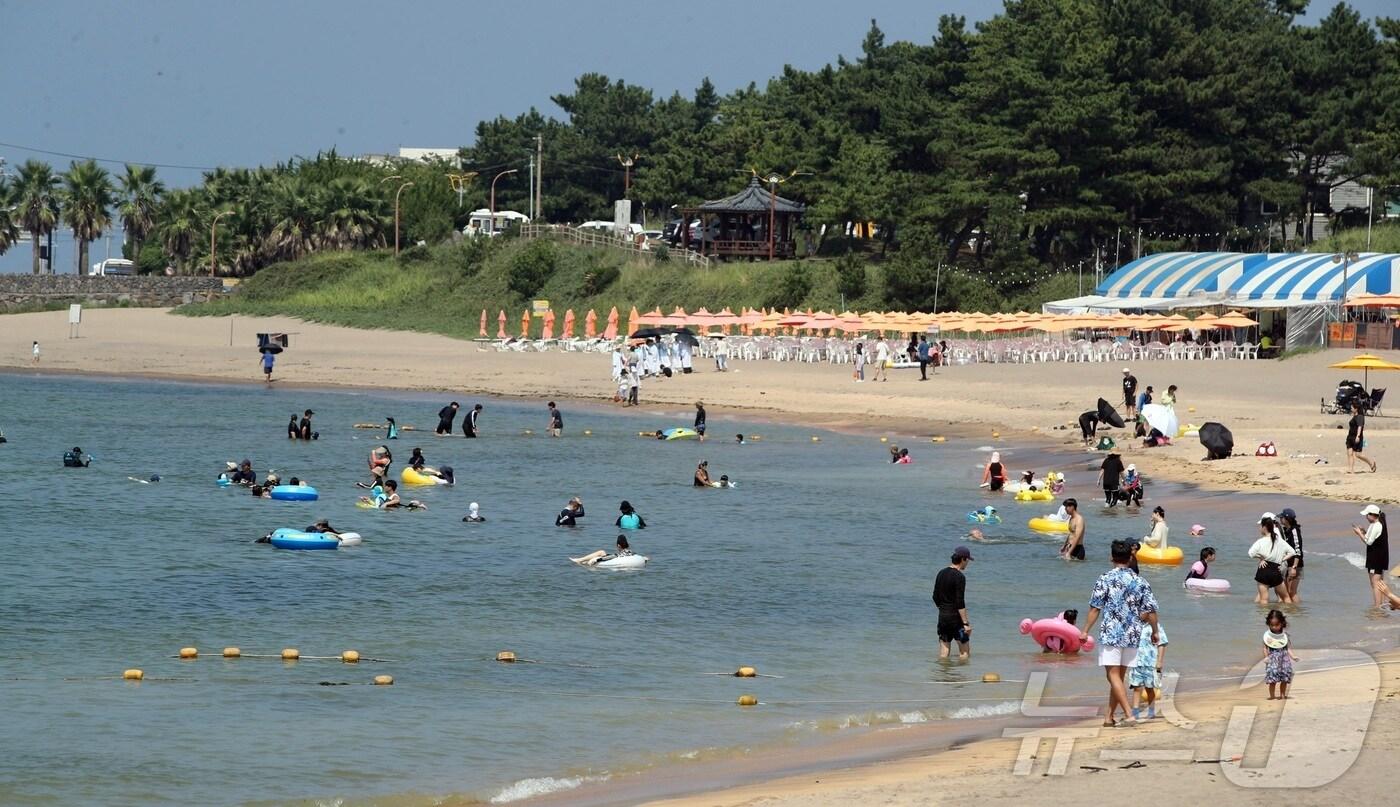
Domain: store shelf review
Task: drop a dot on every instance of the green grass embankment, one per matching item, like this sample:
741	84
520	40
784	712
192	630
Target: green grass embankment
444	289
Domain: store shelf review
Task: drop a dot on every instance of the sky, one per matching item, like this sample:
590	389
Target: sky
195	85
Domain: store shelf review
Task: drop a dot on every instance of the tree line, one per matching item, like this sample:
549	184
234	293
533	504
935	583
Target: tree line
1042	140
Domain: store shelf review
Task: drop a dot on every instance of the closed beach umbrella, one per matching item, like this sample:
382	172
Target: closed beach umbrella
568	324
590	324
610	332
632	322
483	322
501	325
525	325
548	325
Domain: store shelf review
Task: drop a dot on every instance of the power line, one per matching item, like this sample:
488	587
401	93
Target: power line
106	159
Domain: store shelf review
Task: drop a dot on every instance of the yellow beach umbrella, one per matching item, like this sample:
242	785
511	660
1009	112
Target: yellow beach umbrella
1366	362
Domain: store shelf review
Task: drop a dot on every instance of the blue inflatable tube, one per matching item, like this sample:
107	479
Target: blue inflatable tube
283	538
295	493
223	481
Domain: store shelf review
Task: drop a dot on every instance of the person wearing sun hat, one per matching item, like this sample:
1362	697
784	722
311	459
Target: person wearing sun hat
1376	537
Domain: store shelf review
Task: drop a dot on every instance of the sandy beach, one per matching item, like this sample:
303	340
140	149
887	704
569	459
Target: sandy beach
1323	745
994	404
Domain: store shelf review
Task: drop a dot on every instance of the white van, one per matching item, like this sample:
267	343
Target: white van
117	267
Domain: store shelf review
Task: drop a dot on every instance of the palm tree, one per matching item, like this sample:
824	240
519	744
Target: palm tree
141	193
9	214
37	189
293	207
354	215
182	223
87	204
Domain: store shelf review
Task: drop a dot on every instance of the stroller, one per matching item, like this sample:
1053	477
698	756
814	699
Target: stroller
1349	393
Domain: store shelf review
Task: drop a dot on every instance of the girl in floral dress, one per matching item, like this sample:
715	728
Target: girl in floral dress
1278	656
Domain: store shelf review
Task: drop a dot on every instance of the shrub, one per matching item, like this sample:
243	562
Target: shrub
850	276
531	268
598	278
416	254
661	254
792	289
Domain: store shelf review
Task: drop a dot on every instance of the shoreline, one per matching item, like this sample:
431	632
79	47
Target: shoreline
1261	401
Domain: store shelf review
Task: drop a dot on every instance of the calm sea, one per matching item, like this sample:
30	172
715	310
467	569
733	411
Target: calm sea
816	568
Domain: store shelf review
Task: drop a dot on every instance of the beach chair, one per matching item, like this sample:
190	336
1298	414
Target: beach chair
1377	395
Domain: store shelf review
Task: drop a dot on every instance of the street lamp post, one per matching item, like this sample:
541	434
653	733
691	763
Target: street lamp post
213	238
1345	259
397	194
627	163
493	196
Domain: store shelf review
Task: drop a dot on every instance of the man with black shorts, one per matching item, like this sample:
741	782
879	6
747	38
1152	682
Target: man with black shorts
1129	394
1073	547
948	590
700	420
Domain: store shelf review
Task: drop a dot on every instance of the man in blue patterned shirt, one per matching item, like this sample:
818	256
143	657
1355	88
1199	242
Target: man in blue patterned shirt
1125	602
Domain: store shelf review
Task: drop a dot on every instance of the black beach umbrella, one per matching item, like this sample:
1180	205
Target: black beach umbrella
1109	415
1217	440
687	337
648	333
273	348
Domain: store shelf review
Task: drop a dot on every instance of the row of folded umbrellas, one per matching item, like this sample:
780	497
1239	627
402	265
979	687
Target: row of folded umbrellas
756	320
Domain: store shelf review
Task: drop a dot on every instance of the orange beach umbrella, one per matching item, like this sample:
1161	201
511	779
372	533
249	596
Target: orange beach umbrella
568	324
483	322
590	324
548	325
632	320
610	332
525	325
501	325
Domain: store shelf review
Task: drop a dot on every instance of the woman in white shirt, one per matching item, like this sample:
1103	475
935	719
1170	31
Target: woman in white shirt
1157	538
1272	552
1377	540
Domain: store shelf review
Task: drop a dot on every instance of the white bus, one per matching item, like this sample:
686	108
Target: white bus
113	266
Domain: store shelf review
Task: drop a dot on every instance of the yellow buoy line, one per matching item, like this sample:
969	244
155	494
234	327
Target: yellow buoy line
798	702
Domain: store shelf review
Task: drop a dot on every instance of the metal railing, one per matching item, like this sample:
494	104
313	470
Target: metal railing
594	238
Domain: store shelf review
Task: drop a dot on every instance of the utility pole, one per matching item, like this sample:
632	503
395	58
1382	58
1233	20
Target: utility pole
1137	253
627	163
532	188
539	175
1370	214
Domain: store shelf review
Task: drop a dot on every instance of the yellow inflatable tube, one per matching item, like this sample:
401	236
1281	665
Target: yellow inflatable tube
1170	555
412	477
1048	525
1034	496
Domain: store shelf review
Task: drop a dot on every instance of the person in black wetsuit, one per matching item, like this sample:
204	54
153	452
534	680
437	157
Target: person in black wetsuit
949	588
556	421
76	458
469	422
1089	426
568	517
445	417
700	419
1292	532
1111	476
304	428
293	431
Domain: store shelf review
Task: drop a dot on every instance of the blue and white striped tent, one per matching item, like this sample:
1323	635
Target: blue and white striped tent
1251	279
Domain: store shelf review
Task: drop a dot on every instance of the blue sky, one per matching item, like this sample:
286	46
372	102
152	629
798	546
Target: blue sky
255	81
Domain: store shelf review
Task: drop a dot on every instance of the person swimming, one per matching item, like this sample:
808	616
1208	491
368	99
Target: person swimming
76	458
904	458
622	550
323	527
572	512
894	453
244	475
474	515
379	461
630	518
739	439
702	475
292	431
1200	570
390	499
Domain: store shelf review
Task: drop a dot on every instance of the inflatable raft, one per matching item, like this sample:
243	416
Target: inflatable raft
1207	585
624	562
1170	555
1034	496
284	538
680	434
1056	635
1048	525
294	493
412	477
